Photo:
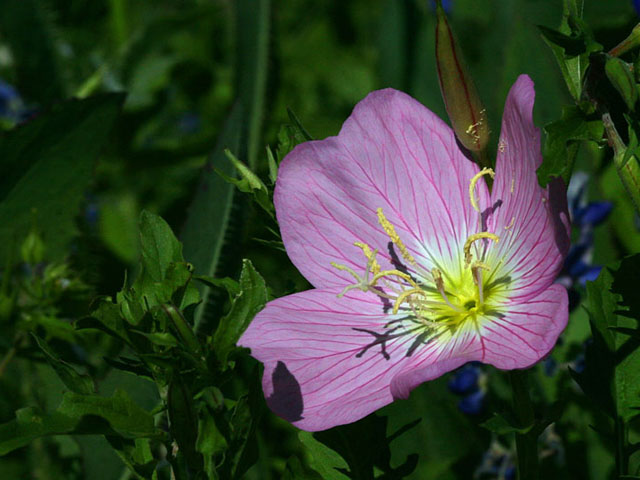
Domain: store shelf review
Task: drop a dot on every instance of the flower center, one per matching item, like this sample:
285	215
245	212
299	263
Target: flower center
435	297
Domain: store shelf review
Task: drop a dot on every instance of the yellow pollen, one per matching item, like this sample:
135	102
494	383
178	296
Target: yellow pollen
395	238
472	186
474	238
372	263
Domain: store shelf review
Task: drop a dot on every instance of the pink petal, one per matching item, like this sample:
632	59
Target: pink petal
527	331
322	364
532	222
391	153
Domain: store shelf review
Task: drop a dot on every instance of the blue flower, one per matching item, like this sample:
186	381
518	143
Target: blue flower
446	5
468	381
636	6
12	107
465	379
472	404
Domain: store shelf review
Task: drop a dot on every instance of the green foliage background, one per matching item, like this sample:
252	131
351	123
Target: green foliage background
114	349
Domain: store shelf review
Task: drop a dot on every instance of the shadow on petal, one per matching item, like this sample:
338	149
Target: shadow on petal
286	399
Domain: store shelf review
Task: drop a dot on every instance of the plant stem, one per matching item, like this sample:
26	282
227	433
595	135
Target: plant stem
621	430
526	443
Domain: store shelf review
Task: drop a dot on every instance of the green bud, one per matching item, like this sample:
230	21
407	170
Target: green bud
468	116
621	77
625	160
32	249
629	43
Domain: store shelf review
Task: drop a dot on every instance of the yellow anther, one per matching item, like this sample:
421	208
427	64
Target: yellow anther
474	238
372	263
403	296
393	273
395	238
472	186
478	264
437	278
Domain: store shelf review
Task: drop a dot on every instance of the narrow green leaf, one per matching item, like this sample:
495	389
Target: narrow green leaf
74	381
250	300
47	165
184	421
203	234
252	50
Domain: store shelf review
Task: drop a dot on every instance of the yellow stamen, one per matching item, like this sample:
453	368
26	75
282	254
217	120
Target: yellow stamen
472	186
372	263
474	238
403	296
437	278
395	238
393	273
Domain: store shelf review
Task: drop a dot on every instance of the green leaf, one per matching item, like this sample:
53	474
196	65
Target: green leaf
74	381
323	459
250	300
612	373
47	164
365	447
210	441
203	234
184	421
561	135
78	414
497	423
160	248
136	454
252	43
571	45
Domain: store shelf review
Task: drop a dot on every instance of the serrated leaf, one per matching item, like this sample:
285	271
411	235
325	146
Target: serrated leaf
47	164
365	447
612	374
250	300
74	381
78	414
323	459
572	127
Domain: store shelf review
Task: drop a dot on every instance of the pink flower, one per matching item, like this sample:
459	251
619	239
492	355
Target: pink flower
417	268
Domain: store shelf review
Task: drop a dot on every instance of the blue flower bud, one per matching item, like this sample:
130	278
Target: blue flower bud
473	403
464	380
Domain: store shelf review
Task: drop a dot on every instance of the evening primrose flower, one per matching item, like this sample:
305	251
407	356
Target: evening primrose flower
417	267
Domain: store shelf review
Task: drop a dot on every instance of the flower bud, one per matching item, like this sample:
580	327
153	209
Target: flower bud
468	116
625	161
